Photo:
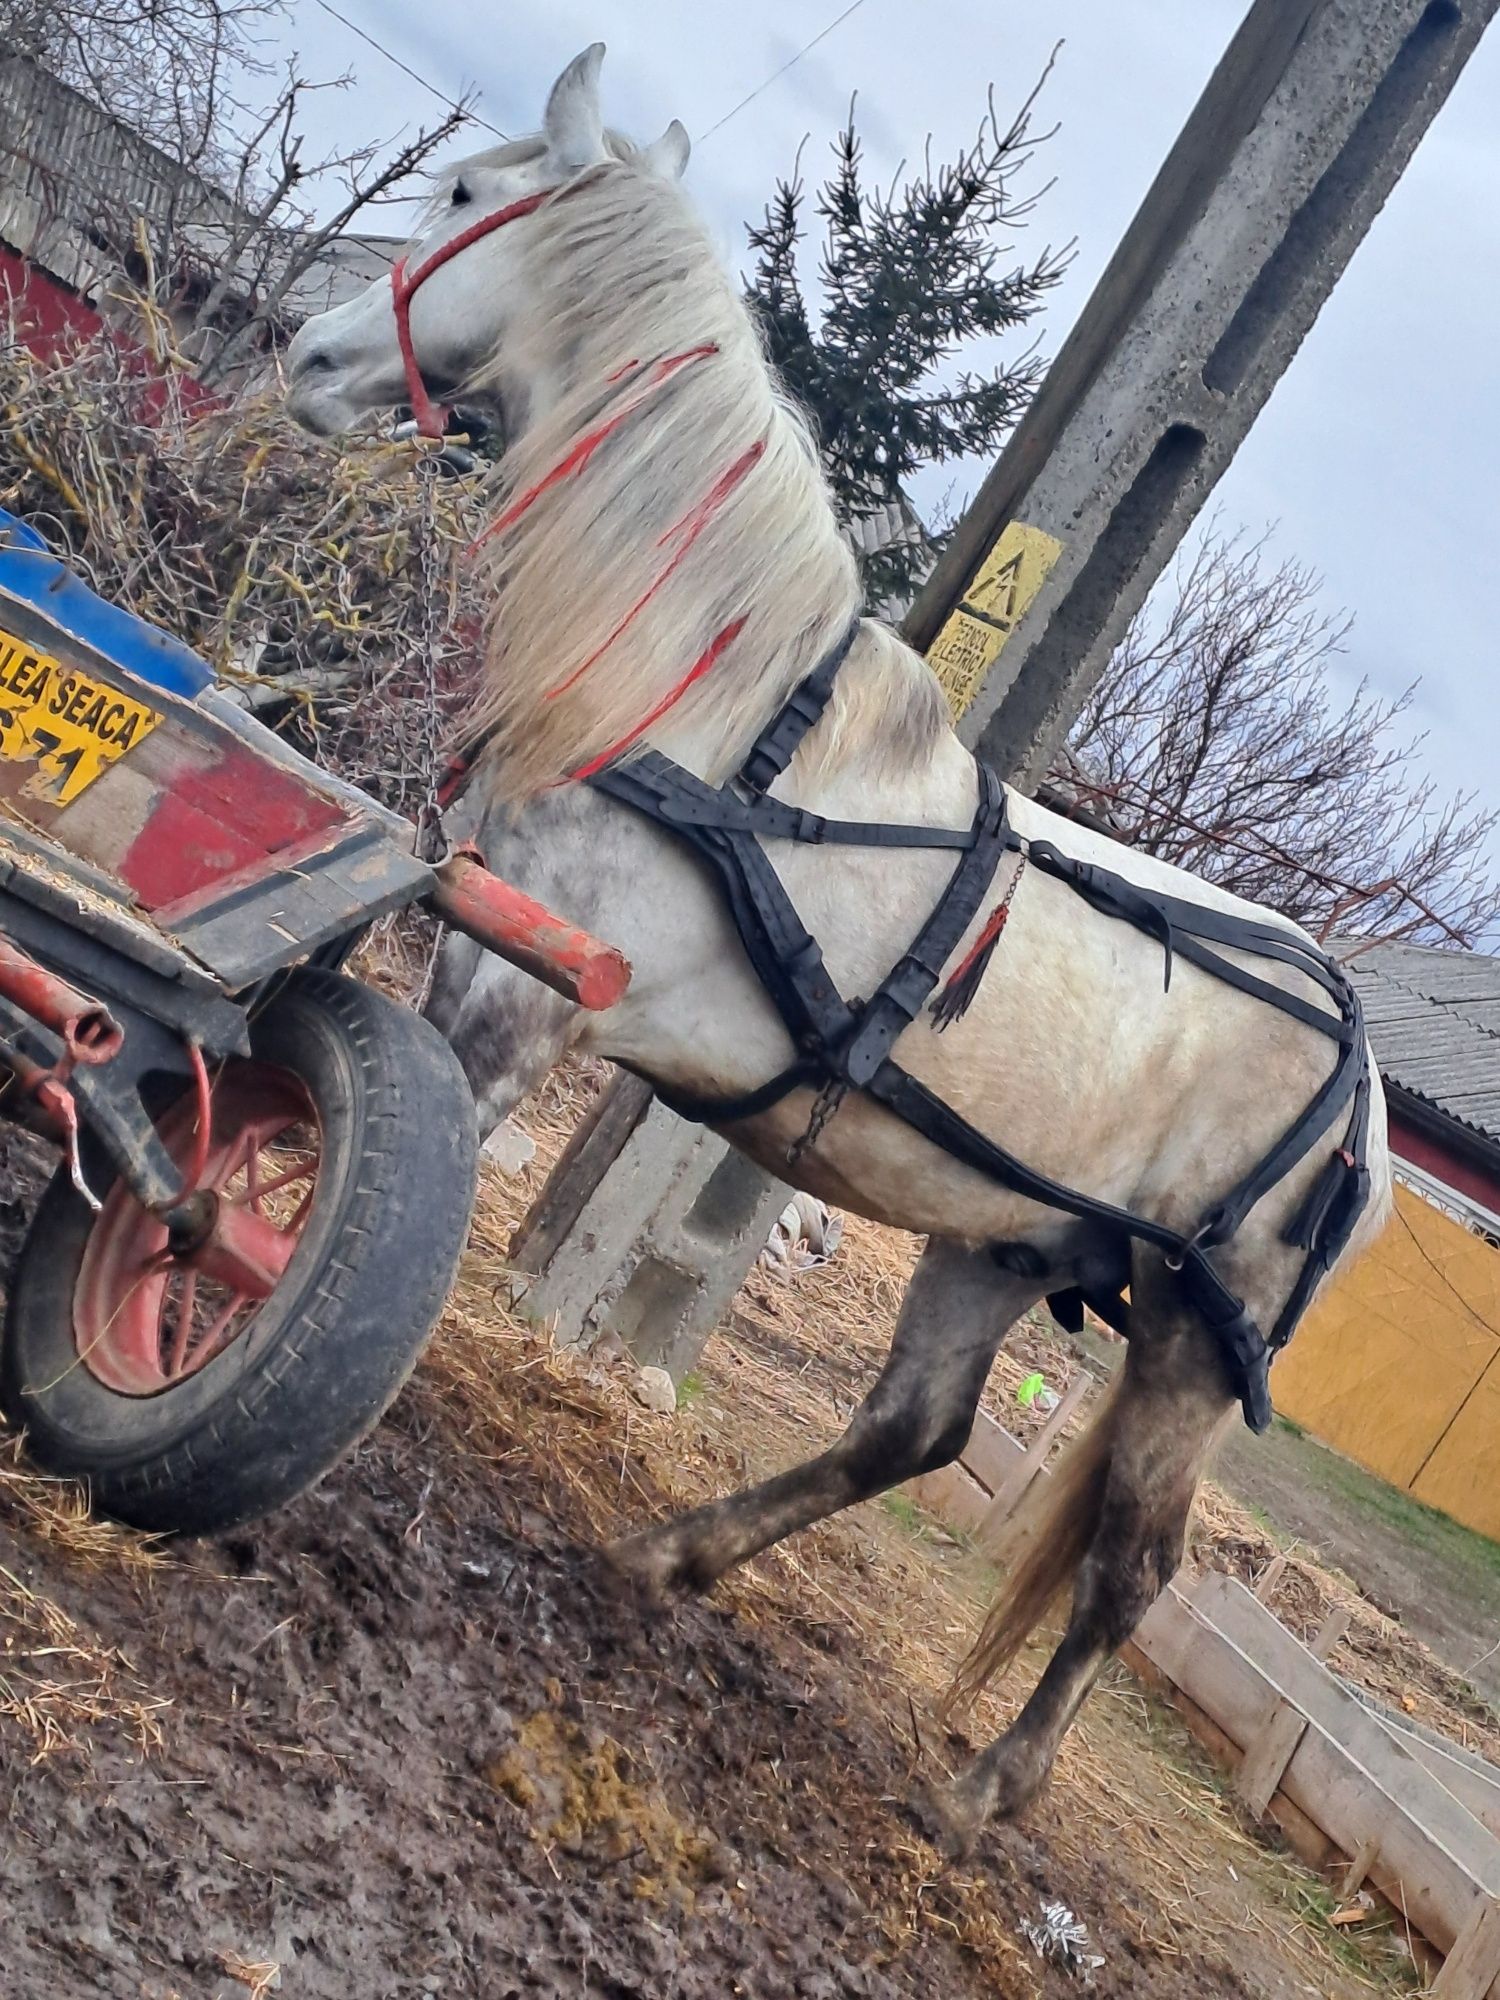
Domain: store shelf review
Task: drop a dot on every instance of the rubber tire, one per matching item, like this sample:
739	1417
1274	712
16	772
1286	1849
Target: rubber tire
328	1351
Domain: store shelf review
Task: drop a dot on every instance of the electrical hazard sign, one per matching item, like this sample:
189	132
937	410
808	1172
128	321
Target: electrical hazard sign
70	726
990	610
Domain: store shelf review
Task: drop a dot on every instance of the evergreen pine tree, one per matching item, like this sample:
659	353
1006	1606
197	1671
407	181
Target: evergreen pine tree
908	278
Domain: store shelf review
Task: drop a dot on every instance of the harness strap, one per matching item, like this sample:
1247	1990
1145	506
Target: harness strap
778	742
842	1044
927	1114
1179	923
685	801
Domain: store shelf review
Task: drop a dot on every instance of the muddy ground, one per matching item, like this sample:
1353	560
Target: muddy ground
403	1741
414	1749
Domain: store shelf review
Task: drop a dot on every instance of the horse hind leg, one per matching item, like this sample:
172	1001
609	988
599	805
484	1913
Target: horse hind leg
917	1417
1115	1511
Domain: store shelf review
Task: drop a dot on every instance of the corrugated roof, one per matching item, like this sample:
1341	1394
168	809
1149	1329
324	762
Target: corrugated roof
1433	1017
71	173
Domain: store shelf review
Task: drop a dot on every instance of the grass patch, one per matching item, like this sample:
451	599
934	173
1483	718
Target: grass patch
904	1511
1267	1526
1418	1523
689	1389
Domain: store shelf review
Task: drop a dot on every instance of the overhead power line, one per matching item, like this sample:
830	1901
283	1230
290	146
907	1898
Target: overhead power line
790	63
415	75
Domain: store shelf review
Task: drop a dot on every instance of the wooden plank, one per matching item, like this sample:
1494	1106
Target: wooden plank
1305	1837
991	1454
1472	1968
960	1502
1470	1778
1411	1861
1270	1576
1353	1878
1333	1628
1008	1493
1264	1764
1267	1757
1305	1682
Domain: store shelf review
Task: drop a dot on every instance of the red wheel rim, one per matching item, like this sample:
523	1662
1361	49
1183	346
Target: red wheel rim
146	1319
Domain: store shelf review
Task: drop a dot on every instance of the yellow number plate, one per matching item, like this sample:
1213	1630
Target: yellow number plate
71	727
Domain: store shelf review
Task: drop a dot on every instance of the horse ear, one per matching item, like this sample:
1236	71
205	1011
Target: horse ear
571	124
668	155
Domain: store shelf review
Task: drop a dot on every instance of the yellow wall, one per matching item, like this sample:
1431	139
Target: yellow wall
1397	1365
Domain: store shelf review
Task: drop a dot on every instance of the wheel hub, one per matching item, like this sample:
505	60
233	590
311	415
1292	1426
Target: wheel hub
158	1298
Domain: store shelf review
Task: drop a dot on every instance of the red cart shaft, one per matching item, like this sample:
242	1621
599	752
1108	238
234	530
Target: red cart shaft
551	949
88	1029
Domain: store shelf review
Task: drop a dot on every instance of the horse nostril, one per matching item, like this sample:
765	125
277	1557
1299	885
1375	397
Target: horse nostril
319	362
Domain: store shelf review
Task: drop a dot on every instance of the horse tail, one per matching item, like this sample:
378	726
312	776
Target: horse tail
1044	1541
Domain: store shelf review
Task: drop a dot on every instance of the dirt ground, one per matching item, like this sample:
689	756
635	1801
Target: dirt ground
402	1740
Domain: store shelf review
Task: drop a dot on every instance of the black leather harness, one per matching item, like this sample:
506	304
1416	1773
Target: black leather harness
844	1045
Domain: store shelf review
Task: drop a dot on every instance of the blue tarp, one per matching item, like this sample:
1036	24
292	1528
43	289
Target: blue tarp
29	571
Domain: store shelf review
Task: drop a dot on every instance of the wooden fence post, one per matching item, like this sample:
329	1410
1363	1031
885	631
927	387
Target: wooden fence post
1473	1965
1264	1764
1015	1482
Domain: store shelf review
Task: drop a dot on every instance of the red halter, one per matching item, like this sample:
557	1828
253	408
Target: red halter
430	418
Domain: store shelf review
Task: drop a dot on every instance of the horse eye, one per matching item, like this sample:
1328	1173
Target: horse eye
461	194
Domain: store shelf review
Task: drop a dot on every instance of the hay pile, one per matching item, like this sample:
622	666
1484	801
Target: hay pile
61	1689
316	578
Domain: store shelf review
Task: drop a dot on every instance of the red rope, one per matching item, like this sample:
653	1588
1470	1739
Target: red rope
690	527
583	451
695	673
430	417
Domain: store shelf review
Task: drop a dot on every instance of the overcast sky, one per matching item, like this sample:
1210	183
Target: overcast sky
1376	456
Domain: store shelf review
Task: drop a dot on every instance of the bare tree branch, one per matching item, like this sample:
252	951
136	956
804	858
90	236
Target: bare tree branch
1215	740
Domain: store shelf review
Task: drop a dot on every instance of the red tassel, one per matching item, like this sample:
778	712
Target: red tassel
963	982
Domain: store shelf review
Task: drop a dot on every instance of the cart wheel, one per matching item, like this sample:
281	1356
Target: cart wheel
197	1384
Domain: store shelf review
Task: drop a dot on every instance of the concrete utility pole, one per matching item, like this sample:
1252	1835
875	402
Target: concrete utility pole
648	1225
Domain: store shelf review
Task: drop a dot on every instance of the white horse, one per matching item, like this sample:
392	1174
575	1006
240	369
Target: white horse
664	567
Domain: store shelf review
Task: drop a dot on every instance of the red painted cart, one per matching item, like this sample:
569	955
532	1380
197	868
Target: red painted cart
268	1167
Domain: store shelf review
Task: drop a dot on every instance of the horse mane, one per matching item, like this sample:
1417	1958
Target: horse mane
592	625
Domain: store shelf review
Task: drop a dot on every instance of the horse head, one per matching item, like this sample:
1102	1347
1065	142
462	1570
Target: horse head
459	292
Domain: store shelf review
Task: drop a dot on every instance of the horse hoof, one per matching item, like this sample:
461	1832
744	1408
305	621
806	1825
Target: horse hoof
952	1821
641	1569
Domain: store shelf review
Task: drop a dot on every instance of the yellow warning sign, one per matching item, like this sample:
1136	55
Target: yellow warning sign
70	726
1009	578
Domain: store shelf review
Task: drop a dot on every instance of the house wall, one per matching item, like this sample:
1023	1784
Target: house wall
1398	1363
48	315
1444	1163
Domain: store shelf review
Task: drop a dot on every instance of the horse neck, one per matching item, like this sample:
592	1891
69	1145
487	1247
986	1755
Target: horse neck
693	507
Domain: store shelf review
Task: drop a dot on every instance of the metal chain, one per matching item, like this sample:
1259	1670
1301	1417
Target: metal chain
827	1102
431	843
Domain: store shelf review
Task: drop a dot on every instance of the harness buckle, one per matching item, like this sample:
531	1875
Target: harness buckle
1176	1259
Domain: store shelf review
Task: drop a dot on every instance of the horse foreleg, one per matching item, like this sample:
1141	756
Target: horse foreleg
918	1416
1170	1408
